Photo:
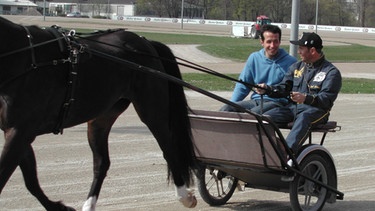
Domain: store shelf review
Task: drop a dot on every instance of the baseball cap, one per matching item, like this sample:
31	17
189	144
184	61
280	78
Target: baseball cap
309	39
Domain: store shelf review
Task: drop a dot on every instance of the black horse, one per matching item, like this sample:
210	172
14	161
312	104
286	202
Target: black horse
50	80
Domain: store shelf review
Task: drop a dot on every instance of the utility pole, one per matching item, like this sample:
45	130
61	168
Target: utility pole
294	27
316	16
182	14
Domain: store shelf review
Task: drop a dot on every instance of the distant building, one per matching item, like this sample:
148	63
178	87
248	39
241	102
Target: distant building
90	8
87	8
16	7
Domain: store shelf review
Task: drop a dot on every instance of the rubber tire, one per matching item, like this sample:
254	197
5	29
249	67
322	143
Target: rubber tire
254	33
209	179
312	162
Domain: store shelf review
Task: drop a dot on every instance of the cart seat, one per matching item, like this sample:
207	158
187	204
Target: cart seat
330	126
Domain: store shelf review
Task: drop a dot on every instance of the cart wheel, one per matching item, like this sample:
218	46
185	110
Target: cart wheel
305	194
215	186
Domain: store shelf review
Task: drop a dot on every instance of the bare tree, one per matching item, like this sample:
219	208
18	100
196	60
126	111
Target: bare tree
331	12
279	10
172	7
365	12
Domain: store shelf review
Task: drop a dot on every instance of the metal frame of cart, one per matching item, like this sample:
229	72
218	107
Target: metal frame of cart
251	148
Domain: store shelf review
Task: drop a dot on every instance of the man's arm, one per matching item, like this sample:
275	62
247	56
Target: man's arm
283	89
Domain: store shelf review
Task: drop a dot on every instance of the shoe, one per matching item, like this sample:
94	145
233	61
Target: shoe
290	162
287	178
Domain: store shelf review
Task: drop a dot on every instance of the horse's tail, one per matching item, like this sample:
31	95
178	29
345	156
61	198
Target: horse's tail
179	120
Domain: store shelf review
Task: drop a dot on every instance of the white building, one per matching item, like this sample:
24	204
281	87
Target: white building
16	7
90	8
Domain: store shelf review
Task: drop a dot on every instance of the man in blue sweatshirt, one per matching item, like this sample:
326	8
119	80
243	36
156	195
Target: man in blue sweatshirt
266	66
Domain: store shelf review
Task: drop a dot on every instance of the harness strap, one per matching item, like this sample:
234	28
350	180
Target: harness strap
75	51
30	38
58	32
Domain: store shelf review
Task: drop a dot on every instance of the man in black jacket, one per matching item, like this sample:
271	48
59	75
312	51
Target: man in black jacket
312	85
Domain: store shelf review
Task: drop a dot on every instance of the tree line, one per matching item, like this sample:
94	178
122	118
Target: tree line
330	12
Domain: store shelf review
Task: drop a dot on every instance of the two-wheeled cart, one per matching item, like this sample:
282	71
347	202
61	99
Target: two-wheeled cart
232	147
251	148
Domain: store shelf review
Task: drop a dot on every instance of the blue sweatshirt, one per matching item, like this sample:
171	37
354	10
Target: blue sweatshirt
260	69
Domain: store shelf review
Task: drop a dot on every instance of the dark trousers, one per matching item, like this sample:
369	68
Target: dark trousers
253	105
303	116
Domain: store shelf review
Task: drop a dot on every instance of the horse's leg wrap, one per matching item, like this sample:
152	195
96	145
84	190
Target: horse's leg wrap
90	204
186	197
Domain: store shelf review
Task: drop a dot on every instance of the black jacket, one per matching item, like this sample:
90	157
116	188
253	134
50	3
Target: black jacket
320	81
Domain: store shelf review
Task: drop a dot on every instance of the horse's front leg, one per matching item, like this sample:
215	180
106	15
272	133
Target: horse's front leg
97	133
18	151
28	168
11	154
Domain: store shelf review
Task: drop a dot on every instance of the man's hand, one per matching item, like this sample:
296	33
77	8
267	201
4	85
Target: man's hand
298	97
262	89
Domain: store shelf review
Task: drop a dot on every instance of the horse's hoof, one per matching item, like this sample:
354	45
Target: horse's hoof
70	209
190	201
59	206
90	204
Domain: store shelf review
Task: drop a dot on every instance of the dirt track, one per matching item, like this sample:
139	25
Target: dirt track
137	178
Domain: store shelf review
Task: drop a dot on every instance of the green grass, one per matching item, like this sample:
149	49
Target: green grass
214	83
210	82
358	86
238	49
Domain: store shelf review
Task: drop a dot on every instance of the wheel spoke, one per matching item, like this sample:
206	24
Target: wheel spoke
215	186
305	193
318	174
307	199
222	188
212	182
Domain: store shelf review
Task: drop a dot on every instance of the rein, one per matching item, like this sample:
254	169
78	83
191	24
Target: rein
163	75
76	48
177	80
184	62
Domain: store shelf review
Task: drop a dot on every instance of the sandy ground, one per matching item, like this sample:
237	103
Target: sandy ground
137	178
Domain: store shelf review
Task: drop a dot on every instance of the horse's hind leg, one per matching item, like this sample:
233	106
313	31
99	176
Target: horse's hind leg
98	132
157	120
28	168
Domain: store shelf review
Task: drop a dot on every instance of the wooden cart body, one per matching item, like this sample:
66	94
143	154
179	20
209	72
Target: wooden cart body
235	143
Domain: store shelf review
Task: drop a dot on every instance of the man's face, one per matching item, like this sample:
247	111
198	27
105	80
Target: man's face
305	54
270	44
